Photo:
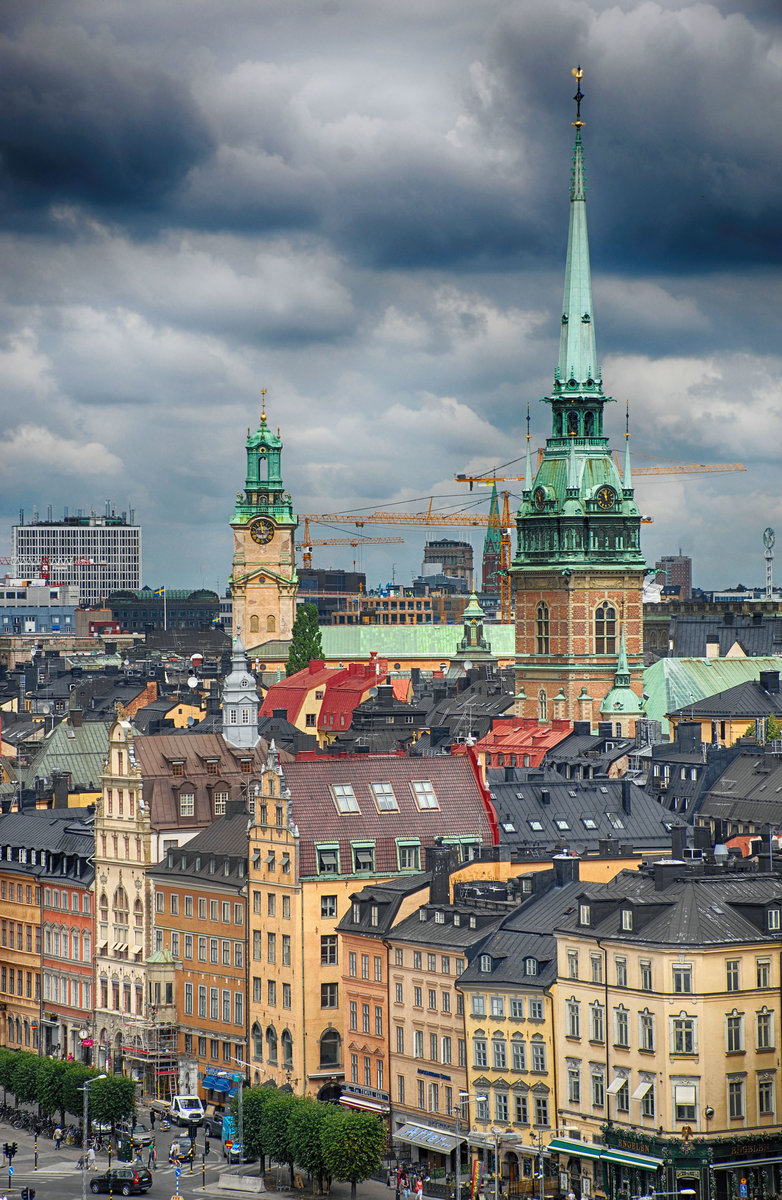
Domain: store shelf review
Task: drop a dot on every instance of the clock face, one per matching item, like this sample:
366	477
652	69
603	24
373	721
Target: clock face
606	496
539	496
262	530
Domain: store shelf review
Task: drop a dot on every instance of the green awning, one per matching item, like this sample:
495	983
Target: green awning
642	1162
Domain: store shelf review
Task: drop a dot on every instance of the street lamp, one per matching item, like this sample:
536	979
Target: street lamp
460	1101
86	1135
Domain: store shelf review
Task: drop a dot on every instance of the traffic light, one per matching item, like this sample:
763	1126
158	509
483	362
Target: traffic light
9	1149
28	1193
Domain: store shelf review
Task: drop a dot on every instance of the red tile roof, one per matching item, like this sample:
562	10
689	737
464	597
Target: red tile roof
461	811
291	693
342	696
522	736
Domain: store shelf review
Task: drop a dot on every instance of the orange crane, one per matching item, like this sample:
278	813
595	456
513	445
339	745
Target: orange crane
433	518
308	542
673	468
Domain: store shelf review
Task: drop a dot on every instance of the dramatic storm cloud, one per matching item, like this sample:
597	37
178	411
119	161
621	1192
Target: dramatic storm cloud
362	207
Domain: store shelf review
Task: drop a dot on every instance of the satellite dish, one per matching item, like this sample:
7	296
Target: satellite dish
192	682
191	722
467	664
46	708
372	692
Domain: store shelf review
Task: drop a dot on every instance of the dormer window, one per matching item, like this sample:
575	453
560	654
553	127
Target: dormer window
627	919
585	914
457	918
439	918
422	914
485	963
473	923
530	966
178	767
356	913
773	919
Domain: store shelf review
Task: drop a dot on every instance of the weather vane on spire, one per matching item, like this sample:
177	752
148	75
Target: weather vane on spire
263	406
578	75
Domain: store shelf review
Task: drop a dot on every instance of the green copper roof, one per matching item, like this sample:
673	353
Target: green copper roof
78	749
473	609
672	683
622	699
493	540
437	642
263	493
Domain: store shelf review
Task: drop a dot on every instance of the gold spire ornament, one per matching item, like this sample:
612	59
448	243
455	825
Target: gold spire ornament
578	75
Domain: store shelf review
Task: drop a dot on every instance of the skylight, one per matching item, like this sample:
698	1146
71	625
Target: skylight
345	797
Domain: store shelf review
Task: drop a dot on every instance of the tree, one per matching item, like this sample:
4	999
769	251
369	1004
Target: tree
112	1099
7	1060
306	643
353	1145
304	1132
72	1096
24	1077
773	728
51	1085
254	1103
277	1113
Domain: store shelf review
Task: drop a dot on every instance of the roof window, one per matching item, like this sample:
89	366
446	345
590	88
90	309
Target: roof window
424	794
345	798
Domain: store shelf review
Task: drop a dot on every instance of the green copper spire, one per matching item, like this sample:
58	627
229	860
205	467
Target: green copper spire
577	347
264	492
578	508
622	700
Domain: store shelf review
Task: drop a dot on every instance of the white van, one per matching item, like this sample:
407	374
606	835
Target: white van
186	1110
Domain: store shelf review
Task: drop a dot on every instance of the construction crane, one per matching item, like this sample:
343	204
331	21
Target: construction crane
433	518
672	468
308	542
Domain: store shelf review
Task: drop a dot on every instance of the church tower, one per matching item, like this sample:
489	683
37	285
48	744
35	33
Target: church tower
240	701
263	579
578	569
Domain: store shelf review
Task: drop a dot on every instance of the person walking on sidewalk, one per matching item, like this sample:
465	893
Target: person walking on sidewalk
91	1159
152	1157
57	1138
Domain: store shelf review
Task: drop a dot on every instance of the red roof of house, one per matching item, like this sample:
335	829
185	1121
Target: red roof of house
461	809
343	694
522	736
291	693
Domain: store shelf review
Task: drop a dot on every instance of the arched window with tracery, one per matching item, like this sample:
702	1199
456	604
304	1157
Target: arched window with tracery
542	706
271	1045
257	1037
542	628
605	629
287	1049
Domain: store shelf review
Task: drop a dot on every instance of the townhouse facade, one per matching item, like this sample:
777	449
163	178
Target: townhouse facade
323	826
201	927
668	1018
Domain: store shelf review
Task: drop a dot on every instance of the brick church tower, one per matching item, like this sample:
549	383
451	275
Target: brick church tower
578	569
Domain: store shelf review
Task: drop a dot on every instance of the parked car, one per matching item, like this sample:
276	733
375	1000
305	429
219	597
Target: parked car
139	1134
127	1181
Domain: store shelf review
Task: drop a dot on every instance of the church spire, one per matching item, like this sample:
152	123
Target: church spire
528	463
627	474
577	346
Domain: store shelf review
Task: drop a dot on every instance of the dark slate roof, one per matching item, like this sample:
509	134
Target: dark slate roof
690	910
461	810
474	924
592	811
749	790
759	638
388	898
588	754
224	840
744	700
526	933
68	839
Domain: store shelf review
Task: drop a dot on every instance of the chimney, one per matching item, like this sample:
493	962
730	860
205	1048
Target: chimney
678	841
75	717
280	714
233	808
769	681
566	869
440	860
701	837
713	643
61	781
688	737
545	796
605	729
627	801
665	872
582	728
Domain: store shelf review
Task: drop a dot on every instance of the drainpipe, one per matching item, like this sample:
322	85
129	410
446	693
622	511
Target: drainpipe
605	1002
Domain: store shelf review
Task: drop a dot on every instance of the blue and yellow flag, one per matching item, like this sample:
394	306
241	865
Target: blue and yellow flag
161	591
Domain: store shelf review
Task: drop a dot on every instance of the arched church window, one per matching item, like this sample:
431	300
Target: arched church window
254	624
542	705
572	423
542	628
287	1048
605	629
271	1045
263	467
271	625
589	424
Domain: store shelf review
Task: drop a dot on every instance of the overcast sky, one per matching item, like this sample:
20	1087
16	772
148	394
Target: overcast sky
362	205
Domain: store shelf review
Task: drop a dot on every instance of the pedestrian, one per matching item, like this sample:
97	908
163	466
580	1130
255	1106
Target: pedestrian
152	1119
91	1159
406	1187
173	1151
419	1188
152	1157
57	1137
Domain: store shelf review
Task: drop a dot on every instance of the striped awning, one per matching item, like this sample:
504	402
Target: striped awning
642	1162
424	1135
362	1102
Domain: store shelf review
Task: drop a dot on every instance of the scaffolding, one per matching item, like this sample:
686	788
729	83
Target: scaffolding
149	1048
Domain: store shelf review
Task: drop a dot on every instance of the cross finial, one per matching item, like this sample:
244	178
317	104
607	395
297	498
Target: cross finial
627	418
579	96
263	406
528	420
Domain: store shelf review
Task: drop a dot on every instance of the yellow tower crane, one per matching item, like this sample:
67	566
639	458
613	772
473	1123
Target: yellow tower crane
308	542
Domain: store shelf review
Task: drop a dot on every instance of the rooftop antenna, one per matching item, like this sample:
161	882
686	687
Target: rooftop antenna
769	538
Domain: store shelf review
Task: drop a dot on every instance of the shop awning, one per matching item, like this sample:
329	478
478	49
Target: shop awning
216	1083
643	1162
744	1163
362	1102
430	1139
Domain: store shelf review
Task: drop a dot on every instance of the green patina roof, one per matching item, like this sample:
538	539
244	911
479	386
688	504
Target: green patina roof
673	683
438	642
473	609
79	750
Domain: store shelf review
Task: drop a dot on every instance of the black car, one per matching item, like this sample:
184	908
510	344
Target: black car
182	1149
214	1124
127	1181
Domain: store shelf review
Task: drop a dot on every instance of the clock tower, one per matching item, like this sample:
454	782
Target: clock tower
578	570
263	579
